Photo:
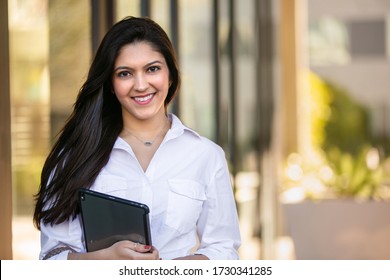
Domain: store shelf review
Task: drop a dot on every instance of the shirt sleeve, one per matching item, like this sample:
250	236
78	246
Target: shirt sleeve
55	238
218	225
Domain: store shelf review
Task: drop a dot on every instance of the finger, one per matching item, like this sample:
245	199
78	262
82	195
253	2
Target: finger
135	245
141	248
153	254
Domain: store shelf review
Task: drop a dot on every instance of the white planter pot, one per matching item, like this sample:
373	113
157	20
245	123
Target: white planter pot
339	229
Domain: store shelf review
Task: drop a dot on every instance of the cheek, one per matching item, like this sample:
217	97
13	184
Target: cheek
162	82
121	88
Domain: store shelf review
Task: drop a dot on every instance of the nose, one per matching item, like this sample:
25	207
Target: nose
141	83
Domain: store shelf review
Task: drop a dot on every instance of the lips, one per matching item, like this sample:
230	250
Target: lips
143	99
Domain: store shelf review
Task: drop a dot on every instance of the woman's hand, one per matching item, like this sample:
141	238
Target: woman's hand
128	250
121	250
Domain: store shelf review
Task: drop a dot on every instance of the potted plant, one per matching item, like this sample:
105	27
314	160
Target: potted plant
335	199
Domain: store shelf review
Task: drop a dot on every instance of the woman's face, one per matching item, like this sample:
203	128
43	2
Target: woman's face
141	81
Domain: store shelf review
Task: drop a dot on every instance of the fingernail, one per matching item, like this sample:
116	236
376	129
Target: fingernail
147	247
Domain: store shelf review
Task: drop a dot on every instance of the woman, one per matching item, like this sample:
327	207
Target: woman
121	140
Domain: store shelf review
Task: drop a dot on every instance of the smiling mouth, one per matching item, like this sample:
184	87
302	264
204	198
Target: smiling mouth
143	98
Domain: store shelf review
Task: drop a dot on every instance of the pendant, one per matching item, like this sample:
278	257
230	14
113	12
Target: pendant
148	143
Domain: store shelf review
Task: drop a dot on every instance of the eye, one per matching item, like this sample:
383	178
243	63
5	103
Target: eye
153	69
123	74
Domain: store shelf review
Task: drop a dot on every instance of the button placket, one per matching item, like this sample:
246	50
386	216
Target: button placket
147	194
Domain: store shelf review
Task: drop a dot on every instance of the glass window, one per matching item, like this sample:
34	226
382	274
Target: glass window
70	56
30	111
196	96
124	8
225	68
247	179
49	57
161	14
246	97
29	80
367	37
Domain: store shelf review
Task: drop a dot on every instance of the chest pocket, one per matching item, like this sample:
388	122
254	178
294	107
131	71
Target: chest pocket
185	201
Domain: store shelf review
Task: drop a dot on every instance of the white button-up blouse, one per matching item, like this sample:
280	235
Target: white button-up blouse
187	187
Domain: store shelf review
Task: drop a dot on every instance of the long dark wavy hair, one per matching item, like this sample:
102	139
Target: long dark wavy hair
84	145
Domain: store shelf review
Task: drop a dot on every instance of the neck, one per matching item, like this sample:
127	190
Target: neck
150	141
146	133
146	127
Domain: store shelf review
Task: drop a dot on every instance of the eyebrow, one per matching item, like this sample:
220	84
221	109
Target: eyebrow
129	68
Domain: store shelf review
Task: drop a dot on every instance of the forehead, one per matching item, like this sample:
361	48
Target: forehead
138	53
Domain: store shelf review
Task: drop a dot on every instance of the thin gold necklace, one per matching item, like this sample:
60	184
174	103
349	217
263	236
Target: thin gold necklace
147	143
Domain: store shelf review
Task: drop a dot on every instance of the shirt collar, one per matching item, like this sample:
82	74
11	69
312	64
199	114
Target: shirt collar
177	129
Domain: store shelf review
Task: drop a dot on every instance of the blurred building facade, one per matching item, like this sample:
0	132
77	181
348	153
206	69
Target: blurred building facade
243	64
228	55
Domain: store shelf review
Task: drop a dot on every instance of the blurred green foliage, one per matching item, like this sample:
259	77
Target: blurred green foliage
353	178
340	128
338	121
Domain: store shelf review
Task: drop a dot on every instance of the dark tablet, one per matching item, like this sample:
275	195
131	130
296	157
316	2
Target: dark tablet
107	219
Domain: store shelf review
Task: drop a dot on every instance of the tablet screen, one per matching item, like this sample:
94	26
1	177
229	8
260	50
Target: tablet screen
107	219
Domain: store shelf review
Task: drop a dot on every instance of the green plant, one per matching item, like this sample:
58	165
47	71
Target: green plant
344	161
355	175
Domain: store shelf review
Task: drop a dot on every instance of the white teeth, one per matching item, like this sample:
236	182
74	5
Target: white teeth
143	99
